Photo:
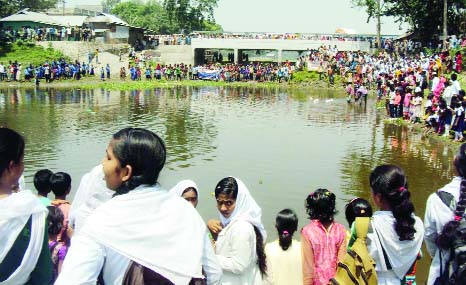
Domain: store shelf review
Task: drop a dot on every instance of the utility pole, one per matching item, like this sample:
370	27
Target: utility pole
63	10
445	32
379	24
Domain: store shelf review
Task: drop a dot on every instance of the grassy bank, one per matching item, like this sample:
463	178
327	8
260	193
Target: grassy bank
28	53
419	128
118	84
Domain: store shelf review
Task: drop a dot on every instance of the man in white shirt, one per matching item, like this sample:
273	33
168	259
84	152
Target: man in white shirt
455	85
2	71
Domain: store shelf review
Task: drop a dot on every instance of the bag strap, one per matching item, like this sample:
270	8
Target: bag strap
362	227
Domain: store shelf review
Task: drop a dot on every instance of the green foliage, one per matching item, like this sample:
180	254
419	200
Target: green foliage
150	15
171	17
424	16
27	53
11	7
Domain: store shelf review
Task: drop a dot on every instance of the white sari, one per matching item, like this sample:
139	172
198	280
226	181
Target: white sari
16	210
147	225
384	244
91	193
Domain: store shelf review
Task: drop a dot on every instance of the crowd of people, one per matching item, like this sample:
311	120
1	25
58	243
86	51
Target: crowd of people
123	227
41	33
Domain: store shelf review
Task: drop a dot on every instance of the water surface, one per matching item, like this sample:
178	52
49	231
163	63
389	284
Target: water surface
283	144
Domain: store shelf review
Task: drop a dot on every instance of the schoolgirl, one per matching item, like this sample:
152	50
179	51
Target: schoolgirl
284	259
397	233
323	241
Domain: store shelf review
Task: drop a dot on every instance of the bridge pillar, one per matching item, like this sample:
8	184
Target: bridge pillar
236	54
280	56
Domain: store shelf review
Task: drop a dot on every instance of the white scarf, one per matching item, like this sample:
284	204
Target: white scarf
153	228
16	210
183	185
401	254
246	209
91	193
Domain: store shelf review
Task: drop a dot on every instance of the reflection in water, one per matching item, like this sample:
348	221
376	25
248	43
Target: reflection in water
282	143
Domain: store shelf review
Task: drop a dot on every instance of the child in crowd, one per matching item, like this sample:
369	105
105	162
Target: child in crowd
397	234
284	255
102	74
406	104
60	184
323	241
458	124
57	248
42	185
358	207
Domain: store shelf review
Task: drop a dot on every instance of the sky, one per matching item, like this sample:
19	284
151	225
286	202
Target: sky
298	16
291	16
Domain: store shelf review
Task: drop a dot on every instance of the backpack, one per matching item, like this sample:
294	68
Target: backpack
357	267
457	260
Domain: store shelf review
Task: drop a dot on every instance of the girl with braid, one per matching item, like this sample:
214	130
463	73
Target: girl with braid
397	234
284	259
440	214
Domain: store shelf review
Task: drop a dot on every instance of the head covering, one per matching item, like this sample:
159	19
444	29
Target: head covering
183	185
17	208
246	209
91	193
176	226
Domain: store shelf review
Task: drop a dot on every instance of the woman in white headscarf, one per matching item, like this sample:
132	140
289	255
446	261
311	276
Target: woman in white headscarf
24	253
241	235
92	192
187	189
143	230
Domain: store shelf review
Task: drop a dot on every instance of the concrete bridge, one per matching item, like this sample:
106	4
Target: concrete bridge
246	50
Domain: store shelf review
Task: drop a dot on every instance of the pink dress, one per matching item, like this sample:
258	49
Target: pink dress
322	250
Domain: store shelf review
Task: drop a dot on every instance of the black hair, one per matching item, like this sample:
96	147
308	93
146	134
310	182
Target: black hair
390	181
320	205
144	151
60	183
448	235
260	252
454	76
11	148
189	189
42	181
358	207
54	220
286	223
227	186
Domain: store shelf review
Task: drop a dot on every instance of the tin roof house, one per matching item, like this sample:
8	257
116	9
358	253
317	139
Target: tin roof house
111	29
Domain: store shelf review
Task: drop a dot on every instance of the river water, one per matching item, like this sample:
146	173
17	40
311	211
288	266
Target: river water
283	143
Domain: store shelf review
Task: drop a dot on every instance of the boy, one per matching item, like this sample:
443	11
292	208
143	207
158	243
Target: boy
42	185
60	183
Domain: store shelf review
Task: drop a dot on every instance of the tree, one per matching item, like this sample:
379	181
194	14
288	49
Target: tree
425	17
150	15
10	7
190	15
108	5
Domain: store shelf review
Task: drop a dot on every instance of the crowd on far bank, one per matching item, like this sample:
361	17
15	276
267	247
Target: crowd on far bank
171	244
69	33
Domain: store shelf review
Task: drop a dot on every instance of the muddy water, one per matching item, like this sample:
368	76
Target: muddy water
282	143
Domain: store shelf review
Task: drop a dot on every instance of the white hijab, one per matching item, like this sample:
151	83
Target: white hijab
246	209
401	254
91	193
16	210
153	228
183	185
